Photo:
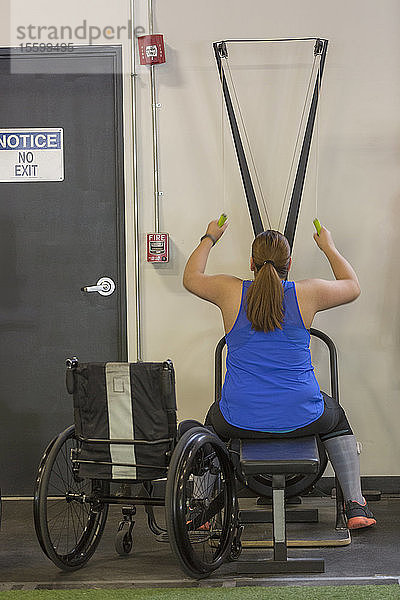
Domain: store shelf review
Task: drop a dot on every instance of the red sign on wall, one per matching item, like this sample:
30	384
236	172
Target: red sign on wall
157	247
151	49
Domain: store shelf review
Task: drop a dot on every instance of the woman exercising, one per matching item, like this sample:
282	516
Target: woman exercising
270	389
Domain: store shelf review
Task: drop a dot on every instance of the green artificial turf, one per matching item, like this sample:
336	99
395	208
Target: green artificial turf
356	592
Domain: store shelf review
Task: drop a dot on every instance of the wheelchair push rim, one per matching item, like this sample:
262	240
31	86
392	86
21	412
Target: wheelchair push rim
201	508
69	521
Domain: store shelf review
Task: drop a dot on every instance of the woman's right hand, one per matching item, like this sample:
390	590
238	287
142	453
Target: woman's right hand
324	240
215	230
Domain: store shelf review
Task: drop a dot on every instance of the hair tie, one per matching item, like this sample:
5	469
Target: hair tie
270	262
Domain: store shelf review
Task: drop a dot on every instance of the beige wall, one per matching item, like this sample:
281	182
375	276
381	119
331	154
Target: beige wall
358	188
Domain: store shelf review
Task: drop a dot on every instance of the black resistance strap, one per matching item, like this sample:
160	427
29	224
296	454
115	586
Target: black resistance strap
221	52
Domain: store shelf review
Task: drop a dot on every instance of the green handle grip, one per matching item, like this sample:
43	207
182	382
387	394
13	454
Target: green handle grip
317	226
222	219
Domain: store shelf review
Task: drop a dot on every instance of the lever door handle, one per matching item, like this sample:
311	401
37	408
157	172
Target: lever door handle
92	288
105	287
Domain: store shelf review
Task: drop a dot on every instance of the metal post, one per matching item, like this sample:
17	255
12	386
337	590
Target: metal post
333	367
154	119
279	517
135	191
218	369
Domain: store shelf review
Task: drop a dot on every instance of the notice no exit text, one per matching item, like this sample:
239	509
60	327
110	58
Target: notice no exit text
25	166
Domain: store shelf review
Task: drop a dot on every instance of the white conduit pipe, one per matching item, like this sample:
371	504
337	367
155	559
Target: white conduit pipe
133	76
154	118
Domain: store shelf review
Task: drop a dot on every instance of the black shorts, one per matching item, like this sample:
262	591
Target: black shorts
332	423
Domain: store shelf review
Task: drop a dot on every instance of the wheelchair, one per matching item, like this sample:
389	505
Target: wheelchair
123	449
125	437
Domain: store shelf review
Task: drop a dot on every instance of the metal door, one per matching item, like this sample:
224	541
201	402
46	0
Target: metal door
56	238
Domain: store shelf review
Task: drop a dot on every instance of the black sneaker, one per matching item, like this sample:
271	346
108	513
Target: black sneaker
358	515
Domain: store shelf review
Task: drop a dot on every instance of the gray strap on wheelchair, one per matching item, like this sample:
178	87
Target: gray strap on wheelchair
120	417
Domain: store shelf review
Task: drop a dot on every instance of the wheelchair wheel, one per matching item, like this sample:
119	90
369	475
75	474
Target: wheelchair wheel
69	521
295	485
124	540
201	504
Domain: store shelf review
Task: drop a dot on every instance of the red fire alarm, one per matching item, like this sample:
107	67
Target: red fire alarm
157	247
151	49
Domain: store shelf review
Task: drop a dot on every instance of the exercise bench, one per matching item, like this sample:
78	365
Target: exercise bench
280	468
278	458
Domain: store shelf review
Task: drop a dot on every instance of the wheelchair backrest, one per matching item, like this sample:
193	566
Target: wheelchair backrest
125	418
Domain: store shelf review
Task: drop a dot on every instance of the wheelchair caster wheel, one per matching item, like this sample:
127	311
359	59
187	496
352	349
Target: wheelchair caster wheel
235	551
236	546
123	541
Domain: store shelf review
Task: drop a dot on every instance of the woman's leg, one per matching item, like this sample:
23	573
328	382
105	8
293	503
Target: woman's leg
337	436
341	447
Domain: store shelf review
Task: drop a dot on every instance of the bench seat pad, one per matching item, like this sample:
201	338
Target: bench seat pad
279	456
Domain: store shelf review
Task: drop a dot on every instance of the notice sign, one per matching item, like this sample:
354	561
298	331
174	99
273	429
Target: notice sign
28	155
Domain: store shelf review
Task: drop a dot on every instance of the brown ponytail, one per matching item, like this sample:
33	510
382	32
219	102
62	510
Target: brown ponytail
271	255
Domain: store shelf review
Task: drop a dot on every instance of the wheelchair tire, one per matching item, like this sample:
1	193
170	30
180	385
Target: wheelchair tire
201	508
68	526
296	485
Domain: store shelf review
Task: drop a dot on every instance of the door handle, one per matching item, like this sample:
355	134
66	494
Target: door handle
105	287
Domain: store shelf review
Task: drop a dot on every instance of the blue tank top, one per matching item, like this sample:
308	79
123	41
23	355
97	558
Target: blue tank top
270	383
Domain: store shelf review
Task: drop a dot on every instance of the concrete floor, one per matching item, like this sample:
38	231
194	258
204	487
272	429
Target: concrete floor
372	557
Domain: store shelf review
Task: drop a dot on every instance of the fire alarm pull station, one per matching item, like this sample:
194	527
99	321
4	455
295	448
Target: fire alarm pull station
157	247
151	49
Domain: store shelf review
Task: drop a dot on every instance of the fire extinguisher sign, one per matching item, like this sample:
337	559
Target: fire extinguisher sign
157	247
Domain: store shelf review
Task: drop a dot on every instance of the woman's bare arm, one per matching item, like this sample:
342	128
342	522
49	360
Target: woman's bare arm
315	295
213	288
346	287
